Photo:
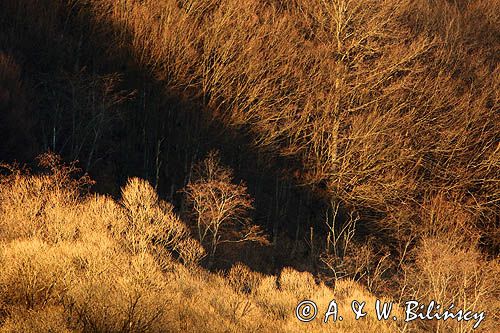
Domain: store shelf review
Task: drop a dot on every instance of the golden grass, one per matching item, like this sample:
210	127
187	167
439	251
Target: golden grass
94	264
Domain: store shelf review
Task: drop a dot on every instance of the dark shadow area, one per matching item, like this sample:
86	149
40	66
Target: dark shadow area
132	124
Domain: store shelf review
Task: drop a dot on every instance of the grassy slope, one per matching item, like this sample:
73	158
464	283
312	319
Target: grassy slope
87	263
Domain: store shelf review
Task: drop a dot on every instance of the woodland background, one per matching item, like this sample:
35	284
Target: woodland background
228	141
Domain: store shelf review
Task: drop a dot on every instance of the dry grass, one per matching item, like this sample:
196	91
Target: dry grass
88	263
92	264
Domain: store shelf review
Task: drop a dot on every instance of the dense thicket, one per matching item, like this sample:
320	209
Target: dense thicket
380	118
71	261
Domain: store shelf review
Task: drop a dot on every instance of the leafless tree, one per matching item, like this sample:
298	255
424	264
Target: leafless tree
219	208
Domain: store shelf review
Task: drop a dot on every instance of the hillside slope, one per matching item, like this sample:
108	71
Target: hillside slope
358	141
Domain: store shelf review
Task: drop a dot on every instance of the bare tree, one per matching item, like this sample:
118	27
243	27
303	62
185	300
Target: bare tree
219	208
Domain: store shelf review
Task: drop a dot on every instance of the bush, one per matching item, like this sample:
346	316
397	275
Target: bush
447	271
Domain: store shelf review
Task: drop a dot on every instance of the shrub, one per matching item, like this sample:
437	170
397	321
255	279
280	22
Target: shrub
151	221
447	271
49	319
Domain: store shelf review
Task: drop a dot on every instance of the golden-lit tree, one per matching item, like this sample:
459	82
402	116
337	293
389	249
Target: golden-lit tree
219	208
